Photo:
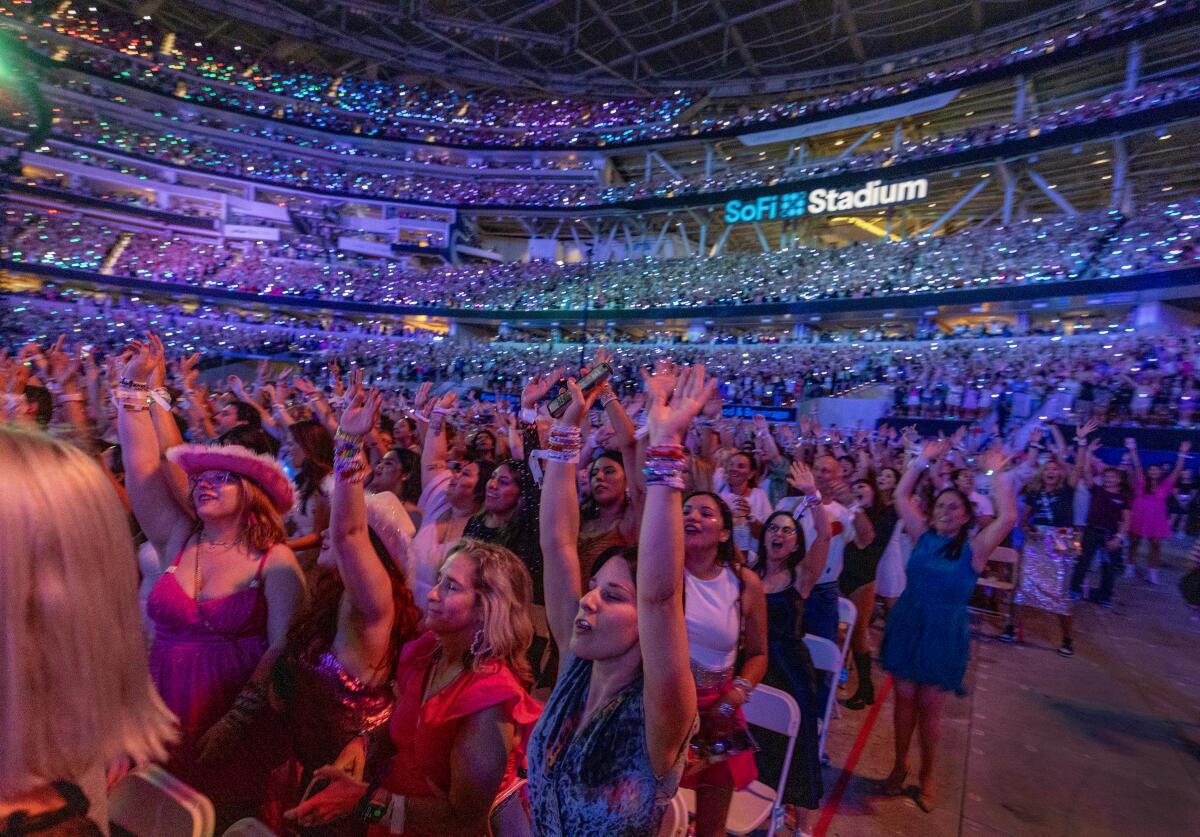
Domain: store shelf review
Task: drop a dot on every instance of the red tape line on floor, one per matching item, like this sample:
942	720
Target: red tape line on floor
860	744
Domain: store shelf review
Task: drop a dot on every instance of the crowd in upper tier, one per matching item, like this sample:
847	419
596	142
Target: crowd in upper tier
172	142
1091	244
214	74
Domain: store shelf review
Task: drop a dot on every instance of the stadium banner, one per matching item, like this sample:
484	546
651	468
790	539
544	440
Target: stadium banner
776	415
871	194
251	233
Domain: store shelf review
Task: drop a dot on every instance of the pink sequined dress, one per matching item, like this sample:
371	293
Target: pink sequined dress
202	656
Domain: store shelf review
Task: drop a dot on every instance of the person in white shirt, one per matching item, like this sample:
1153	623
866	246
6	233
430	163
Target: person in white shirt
749	504
985	512
847	523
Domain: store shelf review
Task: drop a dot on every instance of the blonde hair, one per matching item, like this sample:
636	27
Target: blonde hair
75	689
505	592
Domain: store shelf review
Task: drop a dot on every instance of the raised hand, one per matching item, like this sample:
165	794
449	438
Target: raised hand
140	360
421	399
1184	447
237	387
362	413
1130	444
577	410
935	450
538	387
672	404
800	477
1086	429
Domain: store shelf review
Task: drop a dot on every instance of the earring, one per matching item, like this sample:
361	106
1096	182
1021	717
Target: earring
477	643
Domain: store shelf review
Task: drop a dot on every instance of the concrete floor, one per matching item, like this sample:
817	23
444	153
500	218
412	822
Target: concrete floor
1104	743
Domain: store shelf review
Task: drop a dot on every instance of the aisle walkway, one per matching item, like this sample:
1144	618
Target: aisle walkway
1105	743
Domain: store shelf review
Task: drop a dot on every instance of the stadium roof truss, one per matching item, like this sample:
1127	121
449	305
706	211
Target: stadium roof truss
623	47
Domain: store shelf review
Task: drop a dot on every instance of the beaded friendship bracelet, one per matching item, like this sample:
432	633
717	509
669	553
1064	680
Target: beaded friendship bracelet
666	465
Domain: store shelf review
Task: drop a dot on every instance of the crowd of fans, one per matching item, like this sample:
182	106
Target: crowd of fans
214	74
1091	244
1111	375
369	579
174	144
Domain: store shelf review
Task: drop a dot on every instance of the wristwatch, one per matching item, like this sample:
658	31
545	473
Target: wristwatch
368	810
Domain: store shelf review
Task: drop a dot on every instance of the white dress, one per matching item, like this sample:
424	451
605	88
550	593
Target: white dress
890	574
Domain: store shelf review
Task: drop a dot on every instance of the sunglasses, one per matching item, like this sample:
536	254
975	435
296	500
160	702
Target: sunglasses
213	478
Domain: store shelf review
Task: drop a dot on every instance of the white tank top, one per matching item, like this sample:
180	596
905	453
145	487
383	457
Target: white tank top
711	612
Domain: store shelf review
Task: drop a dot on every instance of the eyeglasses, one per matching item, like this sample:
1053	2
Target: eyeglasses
213	478
776	529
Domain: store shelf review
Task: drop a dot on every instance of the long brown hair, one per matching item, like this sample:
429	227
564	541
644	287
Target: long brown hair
317	625
315	440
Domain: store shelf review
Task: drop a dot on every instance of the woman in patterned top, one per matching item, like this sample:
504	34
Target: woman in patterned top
609	749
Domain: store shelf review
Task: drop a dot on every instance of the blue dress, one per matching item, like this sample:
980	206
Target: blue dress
926	640
595	781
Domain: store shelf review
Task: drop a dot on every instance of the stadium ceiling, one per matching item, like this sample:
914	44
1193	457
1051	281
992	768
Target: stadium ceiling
612	47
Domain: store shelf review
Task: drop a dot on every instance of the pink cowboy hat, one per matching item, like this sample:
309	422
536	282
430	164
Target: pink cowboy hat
263	470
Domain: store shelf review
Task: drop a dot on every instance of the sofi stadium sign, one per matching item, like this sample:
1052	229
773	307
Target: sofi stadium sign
819	201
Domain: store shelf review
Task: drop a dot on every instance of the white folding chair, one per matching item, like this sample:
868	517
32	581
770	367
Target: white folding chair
826	657
760	804
847	615
249	827
675	819
150	802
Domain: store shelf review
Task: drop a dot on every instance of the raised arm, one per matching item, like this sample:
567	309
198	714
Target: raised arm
559	532
1005	497
1135	465
914	521
156	509
1180	460
817	554
367	632
669	692
433	451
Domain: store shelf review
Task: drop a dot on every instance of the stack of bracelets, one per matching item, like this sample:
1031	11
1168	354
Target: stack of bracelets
564	444
665	465
348	462
133	396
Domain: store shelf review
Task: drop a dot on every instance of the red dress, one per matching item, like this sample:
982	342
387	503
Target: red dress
423	735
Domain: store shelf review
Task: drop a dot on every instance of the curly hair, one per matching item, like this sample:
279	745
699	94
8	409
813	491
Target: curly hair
505	591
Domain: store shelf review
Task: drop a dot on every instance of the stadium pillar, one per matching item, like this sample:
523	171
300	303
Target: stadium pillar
1133	65
1010	192
720	245
762	239
1019	102
1120	172
963	201
1052	194
708	161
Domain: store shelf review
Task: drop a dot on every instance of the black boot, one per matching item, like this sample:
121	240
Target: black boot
865	696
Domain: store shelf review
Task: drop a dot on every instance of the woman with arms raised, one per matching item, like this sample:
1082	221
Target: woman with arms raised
334	681
222	608
610	747
926	642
